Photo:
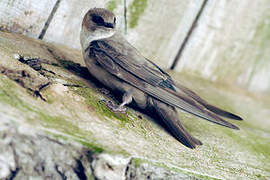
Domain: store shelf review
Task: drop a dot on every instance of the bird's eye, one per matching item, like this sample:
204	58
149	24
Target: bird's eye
98	20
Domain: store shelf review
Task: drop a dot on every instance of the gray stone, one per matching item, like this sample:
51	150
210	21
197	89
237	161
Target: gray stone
231	44
27	155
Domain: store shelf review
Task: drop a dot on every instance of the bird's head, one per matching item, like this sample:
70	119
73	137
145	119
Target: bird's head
98	23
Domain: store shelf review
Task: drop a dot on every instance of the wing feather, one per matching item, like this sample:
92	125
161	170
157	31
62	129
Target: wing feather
210	107
150	80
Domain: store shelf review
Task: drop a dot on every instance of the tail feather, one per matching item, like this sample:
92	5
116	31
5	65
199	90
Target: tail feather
169	116
210	107
221	112
192	106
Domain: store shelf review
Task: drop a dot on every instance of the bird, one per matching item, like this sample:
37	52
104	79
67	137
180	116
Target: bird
119	66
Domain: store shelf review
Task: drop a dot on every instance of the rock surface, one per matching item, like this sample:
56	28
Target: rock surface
29	155
26	154
54	124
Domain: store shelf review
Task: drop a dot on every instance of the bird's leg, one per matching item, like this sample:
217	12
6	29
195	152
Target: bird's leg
126	99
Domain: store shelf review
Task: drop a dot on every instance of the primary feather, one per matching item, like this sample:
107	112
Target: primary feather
115	57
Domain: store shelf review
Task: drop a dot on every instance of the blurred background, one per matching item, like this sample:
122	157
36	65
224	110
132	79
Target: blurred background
220	40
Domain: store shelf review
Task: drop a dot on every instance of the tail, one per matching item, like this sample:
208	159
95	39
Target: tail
169	116
210	107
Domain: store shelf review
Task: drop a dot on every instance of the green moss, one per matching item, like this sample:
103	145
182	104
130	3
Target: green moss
112	4
260	177
9	96
69	128
137	162
119	151
49	98
90	176
98	106
92	100
136	9
92	146
259	145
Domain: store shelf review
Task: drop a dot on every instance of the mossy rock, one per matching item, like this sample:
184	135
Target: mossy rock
70	107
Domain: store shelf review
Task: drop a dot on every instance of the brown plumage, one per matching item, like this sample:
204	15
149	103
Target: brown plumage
120	67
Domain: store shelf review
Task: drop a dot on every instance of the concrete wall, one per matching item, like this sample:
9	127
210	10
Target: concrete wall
25	16
156	28
229	41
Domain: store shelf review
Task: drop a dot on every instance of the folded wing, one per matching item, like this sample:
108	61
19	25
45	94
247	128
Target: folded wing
147	77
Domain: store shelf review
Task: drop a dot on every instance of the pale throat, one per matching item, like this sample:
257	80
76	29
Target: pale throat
87	37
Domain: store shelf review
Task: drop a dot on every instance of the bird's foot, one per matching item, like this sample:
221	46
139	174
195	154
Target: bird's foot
113	107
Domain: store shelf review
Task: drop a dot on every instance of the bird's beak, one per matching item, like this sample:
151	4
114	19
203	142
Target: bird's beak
109	25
